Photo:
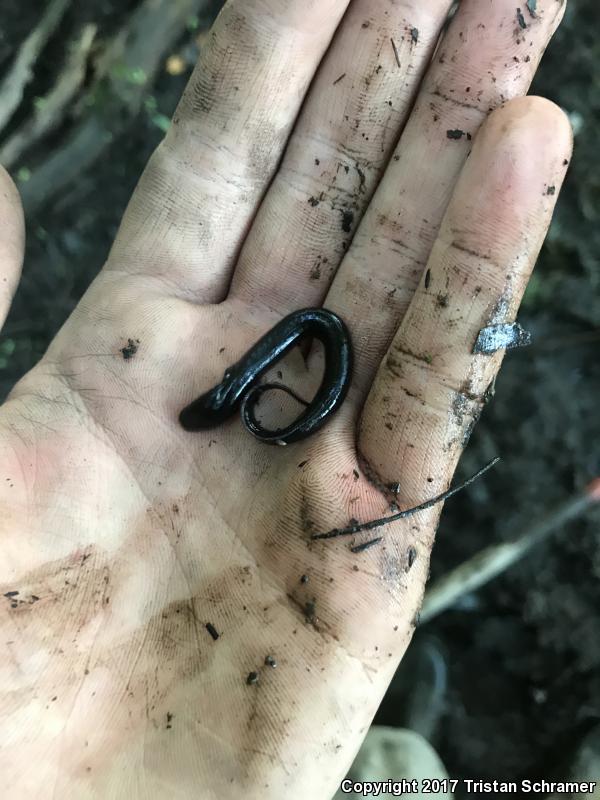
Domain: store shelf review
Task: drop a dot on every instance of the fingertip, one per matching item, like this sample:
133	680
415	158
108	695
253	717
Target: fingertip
533	121
12	241
518	164
11	199
555	121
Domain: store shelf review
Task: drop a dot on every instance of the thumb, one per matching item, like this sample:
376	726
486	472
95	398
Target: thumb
12	242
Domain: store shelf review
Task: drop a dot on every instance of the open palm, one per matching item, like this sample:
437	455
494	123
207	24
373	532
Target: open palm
318	157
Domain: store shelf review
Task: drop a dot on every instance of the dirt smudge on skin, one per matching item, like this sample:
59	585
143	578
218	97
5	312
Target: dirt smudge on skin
78	580
89	633
392	571
308	611
371	474
394	366
466	405
306	523
427	358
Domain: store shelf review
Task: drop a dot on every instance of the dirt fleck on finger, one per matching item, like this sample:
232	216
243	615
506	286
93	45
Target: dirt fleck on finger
310	610
456	134
347	220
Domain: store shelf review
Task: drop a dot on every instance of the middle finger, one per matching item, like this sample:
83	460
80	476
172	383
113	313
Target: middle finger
346	133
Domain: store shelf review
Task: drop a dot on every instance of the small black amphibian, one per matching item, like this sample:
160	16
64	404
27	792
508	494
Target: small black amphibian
240	389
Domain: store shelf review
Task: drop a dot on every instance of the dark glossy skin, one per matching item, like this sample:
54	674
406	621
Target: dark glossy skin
239	387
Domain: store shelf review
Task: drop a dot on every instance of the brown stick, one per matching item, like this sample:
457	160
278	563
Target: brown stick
358	527
495	559
13	86
126	70
50	109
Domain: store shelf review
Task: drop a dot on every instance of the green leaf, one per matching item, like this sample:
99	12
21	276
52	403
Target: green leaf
161	121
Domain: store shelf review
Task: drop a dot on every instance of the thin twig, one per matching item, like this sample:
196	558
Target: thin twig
50	108
495	559
376	523
13	86
396	53
360	548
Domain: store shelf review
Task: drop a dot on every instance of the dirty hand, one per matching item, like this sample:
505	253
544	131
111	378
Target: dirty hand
316	158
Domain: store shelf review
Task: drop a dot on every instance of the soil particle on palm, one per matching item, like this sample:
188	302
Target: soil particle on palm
212	630
130	349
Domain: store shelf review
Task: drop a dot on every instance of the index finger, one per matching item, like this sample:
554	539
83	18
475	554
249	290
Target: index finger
202	186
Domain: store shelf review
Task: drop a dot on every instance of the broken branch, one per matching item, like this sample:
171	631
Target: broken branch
13	86
495	559
50	108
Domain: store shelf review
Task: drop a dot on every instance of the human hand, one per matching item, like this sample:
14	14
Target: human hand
279	186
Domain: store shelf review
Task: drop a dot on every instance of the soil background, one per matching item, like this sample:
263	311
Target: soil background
523	654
